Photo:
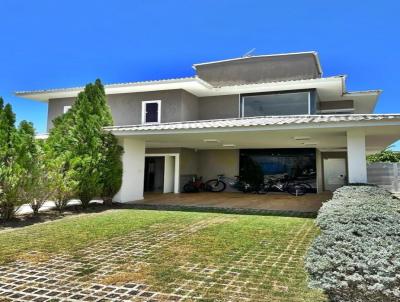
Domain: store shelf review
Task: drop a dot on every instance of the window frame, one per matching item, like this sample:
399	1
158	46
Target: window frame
66	108
309	91
144	105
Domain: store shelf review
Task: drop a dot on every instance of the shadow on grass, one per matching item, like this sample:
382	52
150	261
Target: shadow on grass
52	215
241	211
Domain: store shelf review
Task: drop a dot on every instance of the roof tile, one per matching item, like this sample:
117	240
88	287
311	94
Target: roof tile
255	121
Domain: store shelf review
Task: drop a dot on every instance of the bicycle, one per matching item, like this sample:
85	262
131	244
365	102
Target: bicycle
284	185
219	185
195	185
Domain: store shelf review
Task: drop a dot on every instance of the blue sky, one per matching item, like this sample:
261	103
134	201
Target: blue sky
52	44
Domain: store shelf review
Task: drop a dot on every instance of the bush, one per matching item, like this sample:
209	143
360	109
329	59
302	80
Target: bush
385	156
357	255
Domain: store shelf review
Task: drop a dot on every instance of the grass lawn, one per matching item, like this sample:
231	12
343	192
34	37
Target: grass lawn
181	256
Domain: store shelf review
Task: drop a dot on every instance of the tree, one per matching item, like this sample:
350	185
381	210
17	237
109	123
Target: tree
91	150
10	189
28	154
112	168
17	153
38	184
63	186
7	131
386	155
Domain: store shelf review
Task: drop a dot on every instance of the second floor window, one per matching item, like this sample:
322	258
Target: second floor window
66	108
151	112
291	103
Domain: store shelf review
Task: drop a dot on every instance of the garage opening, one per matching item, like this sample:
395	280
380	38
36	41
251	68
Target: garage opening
297	165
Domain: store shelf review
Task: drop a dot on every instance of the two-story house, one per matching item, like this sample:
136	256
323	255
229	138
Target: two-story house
276	110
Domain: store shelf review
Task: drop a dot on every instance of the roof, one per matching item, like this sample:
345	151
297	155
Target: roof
314	53
42	94
260	69
194	85
331	88
254	122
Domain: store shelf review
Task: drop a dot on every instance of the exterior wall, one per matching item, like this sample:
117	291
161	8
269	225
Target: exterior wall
56	108
126	108
259	69
189	162
190	107
214	162
219	107
176	105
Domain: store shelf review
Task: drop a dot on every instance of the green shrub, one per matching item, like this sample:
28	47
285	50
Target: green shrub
385	156
357	255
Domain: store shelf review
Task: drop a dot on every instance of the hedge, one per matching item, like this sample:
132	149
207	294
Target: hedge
357	255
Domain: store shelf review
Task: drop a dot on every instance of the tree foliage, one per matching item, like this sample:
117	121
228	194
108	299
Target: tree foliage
18	155
79	159
63	185
93	154
384	156
111	166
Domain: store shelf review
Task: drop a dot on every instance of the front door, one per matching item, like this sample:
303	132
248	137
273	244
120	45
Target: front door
334	173
154	174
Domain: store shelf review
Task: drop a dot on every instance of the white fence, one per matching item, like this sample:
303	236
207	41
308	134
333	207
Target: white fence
386	175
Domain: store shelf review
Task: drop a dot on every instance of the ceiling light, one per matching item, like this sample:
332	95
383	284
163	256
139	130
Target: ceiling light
211	140
229	145
301	138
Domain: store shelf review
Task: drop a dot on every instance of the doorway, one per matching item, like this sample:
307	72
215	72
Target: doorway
334	173
161	173
154	174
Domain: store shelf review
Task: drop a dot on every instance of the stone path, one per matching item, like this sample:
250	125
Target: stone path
65	278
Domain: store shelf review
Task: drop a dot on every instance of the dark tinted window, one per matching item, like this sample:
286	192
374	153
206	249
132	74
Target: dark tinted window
299	165
276	104
152	113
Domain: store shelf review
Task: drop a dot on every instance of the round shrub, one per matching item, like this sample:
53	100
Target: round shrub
357	255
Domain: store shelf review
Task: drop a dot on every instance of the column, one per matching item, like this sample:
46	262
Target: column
133	171
356	157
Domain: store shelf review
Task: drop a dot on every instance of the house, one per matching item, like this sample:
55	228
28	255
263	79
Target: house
277	111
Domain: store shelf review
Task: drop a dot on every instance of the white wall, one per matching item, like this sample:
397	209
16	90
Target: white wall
318	159
133	170
356	157
169	174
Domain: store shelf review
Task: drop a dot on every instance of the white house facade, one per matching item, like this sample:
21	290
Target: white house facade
277	111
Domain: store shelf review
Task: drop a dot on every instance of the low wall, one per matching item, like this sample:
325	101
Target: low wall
386	175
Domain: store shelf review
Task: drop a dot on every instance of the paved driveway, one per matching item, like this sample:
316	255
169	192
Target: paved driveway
179	257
